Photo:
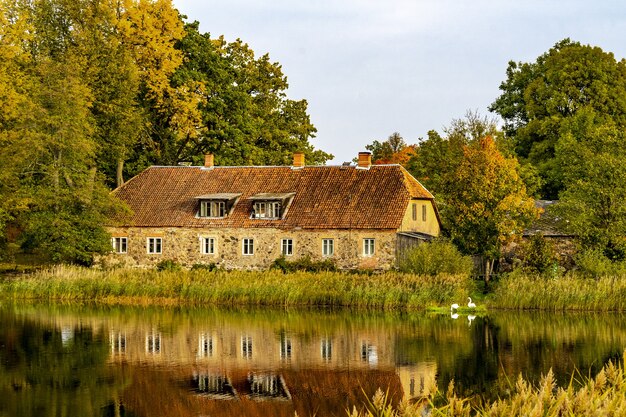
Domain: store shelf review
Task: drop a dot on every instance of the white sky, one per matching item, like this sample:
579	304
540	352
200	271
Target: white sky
371	67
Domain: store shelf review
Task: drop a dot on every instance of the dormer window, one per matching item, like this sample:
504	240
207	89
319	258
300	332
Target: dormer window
270	206
266	210
216	206
212	208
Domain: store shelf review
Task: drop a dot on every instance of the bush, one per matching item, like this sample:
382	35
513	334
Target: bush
539	255
204	267
168	265
437	257
304	264
593	263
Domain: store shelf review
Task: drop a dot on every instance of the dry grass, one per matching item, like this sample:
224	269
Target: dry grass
604	395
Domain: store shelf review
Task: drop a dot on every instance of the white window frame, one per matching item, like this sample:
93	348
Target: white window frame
247	246
369	246
270	210
286	246
326	349
246	347
212	209
120	244
328	247
285	348
153	250
212	249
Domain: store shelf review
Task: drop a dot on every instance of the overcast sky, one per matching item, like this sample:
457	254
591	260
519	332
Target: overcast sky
369	68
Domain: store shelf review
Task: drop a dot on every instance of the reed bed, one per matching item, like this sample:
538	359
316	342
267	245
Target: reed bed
569	292
602	395
386	291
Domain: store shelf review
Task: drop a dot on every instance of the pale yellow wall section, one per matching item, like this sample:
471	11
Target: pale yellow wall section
429	226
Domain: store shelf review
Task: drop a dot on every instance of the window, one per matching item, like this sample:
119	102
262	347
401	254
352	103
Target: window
423	212
266	210
207	245
212	209
326	349
286	247
118	343
155	245
120	244
368	247
248	246
414	211
285	348
205	346
328	247
246	347
153	343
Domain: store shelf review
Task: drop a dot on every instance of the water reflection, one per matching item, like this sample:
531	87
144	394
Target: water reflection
63	360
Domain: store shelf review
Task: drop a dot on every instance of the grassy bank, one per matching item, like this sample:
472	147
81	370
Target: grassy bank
569	292
604	395
380	291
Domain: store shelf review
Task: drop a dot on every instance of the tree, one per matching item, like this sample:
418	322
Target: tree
481	195
539	98
487	206
240	113
387	152
594	171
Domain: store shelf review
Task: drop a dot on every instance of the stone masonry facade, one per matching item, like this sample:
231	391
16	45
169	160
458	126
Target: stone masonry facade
185	246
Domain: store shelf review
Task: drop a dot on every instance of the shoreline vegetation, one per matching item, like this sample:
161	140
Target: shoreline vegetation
602	395
382	291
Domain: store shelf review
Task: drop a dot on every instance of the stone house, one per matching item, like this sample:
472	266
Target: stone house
361	216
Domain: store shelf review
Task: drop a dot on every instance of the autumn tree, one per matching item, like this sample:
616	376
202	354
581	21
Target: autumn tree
538	99
480	193
486	206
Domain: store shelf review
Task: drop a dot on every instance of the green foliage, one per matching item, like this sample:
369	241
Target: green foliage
594	263
303	264
593	161
169	265
204	267
539	98
539	255
437	257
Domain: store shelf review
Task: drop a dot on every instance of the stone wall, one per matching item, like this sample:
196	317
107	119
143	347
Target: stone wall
183	246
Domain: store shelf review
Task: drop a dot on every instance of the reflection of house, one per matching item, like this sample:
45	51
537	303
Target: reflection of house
246	217
418	381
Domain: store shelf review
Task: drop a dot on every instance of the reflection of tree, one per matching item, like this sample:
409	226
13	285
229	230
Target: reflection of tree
45	374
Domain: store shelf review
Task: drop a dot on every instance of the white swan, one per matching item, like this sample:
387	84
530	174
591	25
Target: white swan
470	304
454	306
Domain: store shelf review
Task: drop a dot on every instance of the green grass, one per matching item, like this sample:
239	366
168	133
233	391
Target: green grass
569	292
602	395
386	291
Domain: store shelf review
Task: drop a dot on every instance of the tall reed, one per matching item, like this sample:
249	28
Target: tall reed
381	291
602	395
569	292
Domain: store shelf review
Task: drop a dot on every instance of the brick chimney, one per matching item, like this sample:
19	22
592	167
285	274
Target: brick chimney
208	160
365	160
298	160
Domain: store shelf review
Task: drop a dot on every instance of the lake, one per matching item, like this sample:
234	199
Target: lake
82	360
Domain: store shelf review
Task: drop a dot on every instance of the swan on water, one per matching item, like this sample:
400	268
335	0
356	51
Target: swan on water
470	304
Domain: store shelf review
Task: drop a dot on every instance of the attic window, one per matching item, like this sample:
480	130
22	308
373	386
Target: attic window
270	206
216	206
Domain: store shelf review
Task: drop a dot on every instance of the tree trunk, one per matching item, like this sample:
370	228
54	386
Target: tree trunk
488	268
119	174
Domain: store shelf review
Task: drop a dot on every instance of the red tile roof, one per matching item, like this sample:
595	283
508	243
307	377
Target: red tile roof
326	197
